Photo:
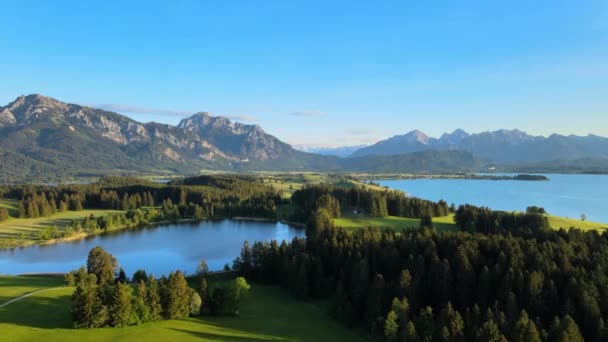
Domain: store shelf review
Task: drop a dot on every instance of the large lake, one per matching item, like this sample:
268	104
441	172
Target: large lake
562	195
159	249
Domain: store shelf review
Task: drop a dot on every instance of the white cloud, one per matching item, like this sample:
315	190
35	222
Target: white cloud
244	118
125	108
308	113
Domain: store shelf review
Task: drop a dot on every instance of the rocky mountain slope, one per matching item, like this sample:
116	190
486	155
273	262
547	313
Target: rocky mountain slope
41	133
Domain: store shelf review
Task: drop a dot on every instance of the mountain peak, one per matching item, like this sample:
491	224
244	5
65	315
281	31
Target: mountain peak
417	136
37	100
29	107
454	137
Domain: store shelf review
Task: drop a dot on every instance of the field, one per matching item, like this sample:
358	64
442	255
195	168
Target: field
11	287
267	314
445	223
354	221
563	222
27	229
290	182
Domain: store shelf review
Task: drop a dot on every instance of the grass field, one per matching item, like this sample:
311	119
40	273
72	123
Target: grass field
290	182
353	221
563	222
445	223
11	287
267	314
26	229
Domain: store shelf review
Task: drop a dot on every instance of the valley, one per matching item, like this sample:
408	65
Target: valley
298	171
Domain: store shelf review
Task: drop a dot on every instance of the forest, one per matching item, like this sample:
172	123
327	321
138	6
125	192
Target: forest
504	277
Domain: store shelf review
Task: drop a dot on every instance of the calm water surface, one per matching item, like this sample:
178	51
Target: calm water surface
562	195
158	250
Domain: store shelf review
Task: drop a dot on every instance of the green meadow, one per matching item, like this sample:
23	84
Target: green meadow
267	314
355	221
564	222
445	223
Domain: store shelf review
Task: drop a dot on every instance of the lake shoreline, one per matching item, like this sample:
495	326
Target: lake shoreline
84	235
519	177
164	248
566	196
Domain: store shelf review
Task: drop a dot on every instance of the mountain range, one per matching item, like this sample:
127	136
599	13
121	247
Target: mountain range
49	139
502	146
44	137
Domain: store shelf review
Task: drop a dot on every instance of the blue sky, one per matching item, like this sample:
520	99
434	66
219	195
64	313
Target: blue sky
320	72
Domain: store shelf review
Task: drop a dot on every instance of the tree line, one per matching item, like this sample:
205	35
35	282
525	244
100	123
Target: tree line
377	203
485	220
103	300
217	196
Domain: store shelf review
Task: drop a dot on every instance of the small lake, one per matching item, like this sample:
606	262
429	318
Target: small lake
159	249
562	195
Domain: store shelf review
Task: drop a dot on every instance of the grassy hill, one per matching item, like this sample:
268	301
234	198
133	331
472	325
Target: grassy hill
267	314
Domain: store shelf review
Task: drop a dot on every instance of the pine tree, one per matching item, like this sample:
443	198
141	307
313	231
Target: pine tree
203	293
122	276
569	331
490	332
120	305
139	276
453	322
88	310
524	330
175	296
391	327
82	308
426	221
410	332
140	305
153	299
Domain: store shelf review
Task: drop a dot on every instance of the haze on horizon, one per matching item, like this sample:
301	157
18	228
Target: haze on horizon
316	73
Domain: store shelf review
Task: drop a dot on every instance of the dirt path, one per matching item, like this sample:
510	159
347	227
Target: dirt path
27	295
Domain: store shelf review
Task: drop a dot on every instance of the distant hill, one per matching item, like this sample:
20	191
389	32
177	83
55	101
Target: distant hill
339	151
44	137
423	161
502	146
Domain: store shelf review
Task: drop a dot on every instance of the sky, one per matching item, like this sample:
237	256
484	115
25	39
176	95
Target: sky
319	73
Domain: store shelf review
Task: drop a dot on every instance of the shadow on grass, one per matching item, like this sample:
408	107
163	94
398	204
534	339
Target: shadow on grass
224	337
39	312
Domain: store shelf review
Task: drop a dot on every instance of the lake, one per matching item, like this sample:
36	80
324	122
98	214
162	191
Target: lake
159	249
562	195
